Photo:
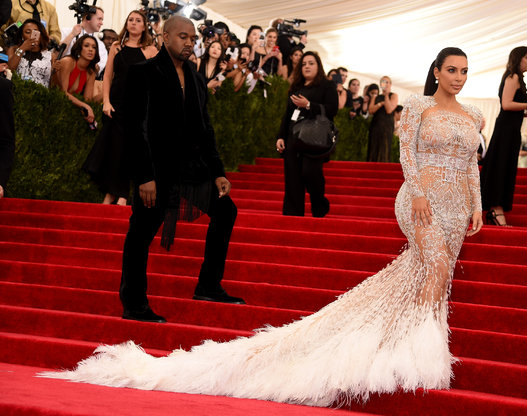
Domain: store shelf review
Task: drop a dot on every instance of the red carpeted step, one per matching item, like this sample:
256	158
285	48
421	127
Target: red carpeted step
274	292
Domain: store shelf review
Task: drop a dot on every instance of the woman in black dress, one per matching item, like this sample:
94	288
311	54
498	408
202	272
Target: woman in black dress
498	175
105	163
212	65
382	124
309	91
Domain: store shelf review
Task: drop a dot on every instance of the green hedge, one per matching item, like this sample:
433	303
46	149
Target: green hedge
53	139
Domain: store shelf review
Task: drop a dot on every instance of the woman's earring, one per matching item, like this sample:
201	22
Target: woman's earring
437	81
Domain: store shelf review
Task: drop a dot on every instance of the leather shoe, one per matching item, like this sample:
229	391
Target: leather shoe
216	296
147	315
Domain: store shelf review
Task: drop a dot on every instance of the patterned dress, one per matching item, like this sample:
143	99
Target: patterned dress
387	333
37	70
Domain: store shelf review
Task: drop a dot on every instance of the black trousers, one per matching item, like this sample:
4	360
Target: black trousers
144	224
303	173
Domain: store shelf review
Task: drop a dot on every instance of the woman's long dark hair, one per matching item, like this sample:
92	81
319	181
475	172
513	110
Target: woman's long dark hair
430	84
146	39
206	57
44	38
76	50
298	77
290	62
513	65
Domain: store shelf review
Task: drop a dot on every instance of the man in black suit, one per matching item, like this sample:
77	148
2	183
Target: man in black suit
175	167
7	129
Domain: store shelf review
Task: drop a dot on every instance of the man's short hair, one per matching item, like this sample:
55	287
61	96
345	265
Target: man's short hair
341	68
173	21
92	14
104	31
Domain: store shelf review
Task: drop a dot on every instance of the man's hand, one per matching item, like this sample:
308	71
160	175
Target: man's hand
477	223
421	212
147	192
223	185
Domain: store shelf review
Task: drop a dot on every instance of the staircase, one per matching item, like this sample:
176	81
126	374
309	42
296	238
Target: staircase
60	272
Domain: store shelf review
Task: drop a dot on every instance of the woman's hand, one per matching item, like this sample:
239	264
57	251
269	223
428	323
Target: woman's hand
107	108
28	44
90	117
477	223
421	212
213	84
299	100
280	145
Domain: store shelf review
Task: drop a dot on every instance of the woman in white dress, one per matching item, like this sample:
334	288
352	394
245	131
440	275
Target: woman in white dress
387	333
30	57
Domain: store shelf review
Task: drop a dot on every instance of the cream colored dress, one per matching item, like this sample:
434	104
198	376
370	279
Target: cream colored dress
389	332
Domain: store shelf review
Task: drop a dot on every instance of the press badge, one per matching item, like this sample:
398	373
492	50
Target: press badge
295	115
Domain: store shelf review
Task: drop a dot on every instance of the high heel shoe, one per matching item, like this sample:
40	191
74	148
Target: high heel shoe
492	218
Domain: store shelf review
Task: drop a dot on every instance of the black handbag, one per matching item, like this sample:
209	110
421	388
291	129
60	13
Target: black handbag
315	137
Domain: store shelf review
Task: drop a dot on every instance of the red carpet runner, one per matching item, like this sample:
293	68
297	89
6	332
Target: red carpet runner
60	271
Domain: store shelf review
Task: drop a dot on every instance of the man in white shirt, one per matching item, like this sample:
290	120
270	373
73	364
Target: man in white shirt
91	23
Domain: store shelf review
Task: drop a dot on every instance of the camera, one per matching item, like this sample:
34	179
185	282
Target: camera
10	35
208	30
289	28
82	9
155	14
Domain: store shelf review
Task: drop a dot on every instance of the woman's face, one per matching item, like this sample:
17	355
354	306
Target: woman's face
270	39
309	67
135	24
296	57
215	50
245	53
374	92
453	74
27	32
253	36
89	49
386	83
354	86
523	64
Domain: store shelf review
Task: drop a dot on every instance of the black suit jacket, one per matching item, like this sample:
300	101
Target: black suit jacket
7	130
169	139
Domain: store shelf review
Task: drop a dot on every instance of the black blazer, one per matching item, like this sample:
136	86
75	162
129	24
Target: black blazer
7	130
168	138
324	94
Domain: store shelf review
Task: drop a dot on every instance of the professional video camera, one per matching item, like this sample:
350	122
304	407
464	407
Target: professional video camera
208	30
288	28
190	10
82	9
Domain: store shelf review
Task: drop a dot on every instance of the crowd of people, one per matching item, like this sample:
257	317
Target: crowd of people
376	328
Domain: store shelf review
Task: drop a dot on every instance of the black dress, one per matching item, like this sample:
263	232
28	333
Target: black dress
303	173
498	175
381	134
105	163
270	66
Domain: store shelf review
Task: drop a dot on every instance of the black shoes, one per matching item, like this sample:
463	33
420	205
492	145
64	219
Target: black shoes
216	296
146	315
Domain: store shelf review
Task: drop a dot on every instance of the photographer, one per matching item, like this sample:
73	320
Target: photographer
212	65
285	40
253	39
269	55
90	24
240	70
40	10
30	57
355	101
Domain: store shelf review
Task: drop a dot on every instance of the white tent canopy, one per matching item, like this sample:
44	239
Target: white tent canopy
372	38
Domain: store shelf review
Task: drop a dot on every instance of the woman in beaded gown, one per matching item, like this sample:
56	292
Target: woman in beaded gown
390	331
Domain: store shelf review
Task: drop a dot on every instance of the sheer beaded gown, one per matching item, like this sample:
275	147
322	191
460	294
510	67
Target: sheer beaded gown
387	333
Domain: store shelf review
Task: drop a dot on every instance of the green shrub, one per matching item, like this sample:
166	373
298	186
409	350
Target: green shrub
53	139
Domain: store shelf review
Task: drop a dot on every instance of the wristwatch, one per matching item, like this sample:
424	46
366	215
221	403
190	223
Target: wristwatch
308	106
19	52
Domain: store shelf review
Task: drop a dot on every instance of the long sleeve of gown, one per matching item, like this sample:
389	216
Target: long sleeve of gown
408	134
473	183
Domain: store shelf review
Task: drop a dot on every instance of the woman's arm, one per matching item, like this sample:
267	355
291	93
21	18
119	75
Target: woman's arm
512	83
390	104
90	84
373	106
408	134
107	107
14	57
67	65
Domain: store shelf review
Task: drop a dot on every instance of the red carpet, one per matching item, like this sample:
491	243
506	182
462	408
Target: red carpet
60	272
